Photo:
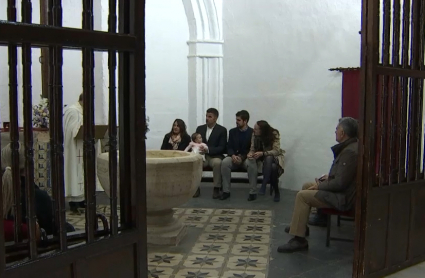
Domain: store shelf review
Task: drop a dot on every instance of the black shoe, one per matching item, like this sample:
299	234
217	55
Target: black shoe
216	193
262	190
225	196
197	193
252	197
319	220
294	245
82	204
276	195
307	230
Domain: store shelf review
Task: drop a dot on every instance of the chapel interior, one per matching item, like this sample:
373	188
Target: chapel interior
294	64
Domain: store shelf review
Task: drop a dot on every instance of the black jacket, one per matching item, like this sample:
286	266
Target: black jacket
217	141
233	143
185	140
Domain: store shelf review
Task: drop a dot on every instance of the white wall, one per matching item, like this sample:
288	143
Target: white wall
166	67
276	59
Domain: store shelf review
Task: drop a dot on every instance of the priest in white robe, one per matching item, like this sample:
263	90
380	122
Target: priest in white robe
73	156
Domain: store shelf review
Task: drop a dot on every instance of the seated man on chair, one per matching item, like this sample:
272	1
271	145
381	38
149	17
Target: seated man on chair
237	149
337	190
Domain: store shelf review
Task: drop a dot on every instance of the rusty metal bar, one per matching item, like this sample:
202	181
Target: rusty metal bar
383	128
42	35
14	127
402	175
413	130
88	125
113	167
124	121
26	7
394	145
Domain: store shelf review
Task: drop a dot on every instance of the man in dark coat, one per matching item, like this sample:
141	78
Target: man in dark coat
336	190
237	149
215	136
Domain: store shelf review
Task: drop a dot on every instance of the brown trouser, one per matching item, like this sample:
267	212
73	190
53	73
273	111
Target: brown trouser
215	164
303	202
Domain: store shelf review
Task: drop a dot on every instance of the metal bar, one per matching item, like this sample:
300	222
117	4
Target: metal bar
113	167
421	49
402	175
137	138
383	123
124	121
58	131
14	128
413	135
42	35
88	125
395	146
403	72
28	133
2	240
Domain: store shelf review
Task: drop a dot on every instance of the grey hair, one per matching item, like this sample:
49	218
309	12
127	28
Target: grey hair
350	126
7	190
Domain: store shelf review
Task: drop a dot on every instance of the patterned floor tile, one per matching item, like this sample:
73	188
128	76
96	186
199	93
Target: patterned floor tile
225	219
250	249
194	218
217	228
247	263
256	220
204	261
214	248
164	259
228	212
216	237
197	273
160	272
267	213
254	228
252	238
243	274
199	211
178	211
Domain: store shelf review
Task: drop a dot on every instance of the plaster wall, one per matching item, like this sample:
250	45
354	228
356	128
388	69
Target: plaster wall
276	60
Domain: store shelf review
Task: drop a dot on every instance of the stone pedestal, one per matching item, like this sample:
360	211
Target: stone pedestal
172	177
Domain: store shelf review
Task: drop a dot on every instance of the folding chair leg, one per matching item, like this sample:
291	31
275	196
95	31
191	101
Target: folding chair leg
328	232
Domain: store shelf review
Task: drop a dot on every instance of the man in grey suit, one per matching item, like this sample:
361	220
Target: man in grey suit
215	136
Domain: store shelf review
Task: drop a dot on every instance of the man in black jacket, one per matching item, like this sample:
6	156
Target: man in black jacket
215	136
237	148
336	190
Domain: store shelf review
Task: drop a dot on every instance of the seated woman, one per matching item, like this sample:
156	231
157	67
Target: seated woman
265	150
177	138
43	202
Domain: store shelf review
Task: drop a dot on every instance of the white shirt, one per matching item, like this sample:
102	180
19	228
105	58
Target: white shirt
209	130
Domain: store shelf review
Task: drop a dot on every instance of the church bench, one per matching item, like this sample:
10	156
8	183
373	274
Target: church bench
342	215
234	179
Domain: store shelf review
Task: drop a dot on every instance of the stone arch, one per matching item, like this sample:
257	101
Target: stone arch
205	58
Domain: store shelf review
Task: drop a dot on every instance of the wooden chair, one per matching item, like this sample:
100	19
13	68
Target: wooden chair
342	216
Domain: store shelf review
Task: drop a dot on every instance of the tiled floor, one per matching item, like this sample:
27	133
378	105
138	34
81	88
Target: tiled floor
223	237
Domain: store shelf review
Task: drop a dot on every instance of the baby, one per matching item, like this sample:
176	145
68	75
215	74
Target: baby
196	144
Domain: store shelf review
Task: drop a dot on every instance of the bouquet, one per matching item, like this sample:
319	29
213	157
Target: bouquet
41	114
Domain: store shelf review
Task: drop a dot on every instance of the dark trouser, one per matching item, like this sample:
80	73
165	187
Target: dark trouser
270	172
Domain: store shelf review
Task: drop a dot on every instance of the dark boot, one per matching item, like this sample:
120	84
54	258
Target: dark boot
252	197
307	230
276	193
197	193
216	193
225	196
73	207
318	219
294	245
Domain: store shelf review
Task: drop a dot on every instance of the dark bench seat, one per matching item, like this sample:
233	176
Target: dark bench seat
238	179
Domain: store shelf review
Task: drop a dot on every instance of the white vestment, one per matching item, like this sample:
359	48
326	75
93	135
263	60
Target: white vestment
73	154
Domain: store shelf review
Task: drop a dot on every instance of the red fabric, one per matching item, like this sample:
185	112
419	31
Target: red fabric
351	93
9	230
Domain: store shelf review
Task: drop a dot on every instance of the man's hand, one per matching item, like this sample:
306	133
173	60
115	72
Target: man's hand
238	160
257	155
250	156
203	150
323	178
314	187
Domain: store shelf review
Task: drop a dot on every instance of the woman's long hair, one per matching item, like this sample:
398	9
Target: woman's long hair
181	124
7	190
267	135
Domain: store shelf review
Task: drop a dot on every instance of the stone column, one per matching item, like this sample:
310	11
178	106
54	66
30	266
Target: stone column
205	58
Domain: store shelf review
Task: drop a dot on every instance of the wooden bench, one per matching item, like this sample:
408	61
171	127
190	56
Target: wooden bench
233	179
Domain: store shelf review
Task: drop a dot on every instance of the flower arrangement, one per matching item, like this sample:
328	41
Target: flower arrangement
41	114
